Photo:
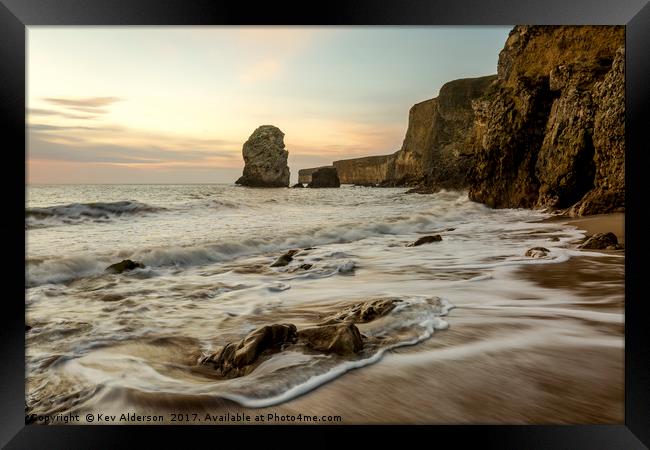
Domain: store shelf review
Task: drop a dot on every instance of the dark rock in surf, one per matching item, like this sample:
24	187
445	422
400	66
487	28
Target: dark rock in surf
537	252
600	241
284	259
298	185
425	240
238	358
325	177
363	312
124	266
112	298
342	339
27	327
306	266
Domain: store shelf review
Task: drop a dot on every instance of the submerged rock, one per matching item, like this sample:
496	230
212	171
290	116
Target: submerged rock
537	252
265	159
237	359
364	312
425	240
347	267
600	241
124	266
325	177
284	259
342	339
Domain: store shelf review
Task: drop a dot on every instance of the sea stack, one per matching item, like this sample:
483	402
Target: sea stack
265	159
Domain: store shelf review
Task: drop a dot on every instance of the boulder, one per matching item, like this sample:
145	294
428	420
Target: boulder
124	266
325	177
284	259
342	339
363	312
238	358
425	240
600	241
265	159
537	252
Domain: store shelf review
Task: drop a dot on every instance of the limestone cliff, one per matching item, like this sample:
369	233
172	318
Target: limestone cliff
550	131
434	150
367	170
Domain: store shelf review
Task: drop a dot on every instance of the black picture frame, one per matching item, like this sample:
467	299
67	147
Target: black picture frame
16	15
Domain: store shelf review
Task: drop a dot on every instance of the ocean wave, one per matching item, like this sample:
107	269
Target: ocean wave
58	270
39	217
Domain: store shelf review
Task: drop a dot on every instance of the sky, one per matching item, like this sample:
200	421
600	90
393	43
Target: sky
175	104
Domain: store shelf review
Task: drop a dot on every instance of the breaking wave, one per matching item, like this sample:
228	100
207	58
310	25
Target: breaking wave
82	212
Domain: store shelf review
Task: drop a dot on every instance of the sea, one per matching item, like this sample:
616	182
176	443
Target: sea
98	337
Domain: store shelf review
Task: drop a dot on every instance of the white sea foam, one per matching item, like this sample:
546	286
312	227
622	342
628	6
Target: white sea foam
207	280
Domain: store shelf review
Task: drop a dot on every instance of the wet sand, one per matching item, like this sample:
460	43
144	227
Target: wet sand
562	364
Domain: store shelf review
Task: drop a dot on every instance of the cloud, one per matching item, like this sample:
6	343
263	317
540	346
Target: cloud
52	112
84	102
44	127
157	151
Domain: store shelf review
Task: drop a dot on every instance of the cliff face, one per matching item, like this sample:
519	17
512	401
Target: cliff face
368	170
449	154
550	131
435	149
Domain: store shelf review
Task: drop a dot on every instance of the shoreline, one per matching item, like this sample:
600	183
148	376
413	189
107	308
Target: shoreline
521	362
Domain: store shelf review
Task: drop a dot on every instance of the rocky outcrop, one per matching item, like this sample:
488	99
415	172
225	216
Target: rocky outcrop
124	266
237	358
600	241
285	259
537	252
342	339
304	175
425	240
549	133
337	334
265	159
325	177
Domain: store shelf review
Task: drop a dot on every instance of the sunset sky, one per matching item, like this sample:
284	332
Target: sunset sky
175	105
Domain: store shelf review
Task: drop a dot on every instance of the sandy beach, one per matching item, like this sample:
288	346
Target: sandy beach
519	363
